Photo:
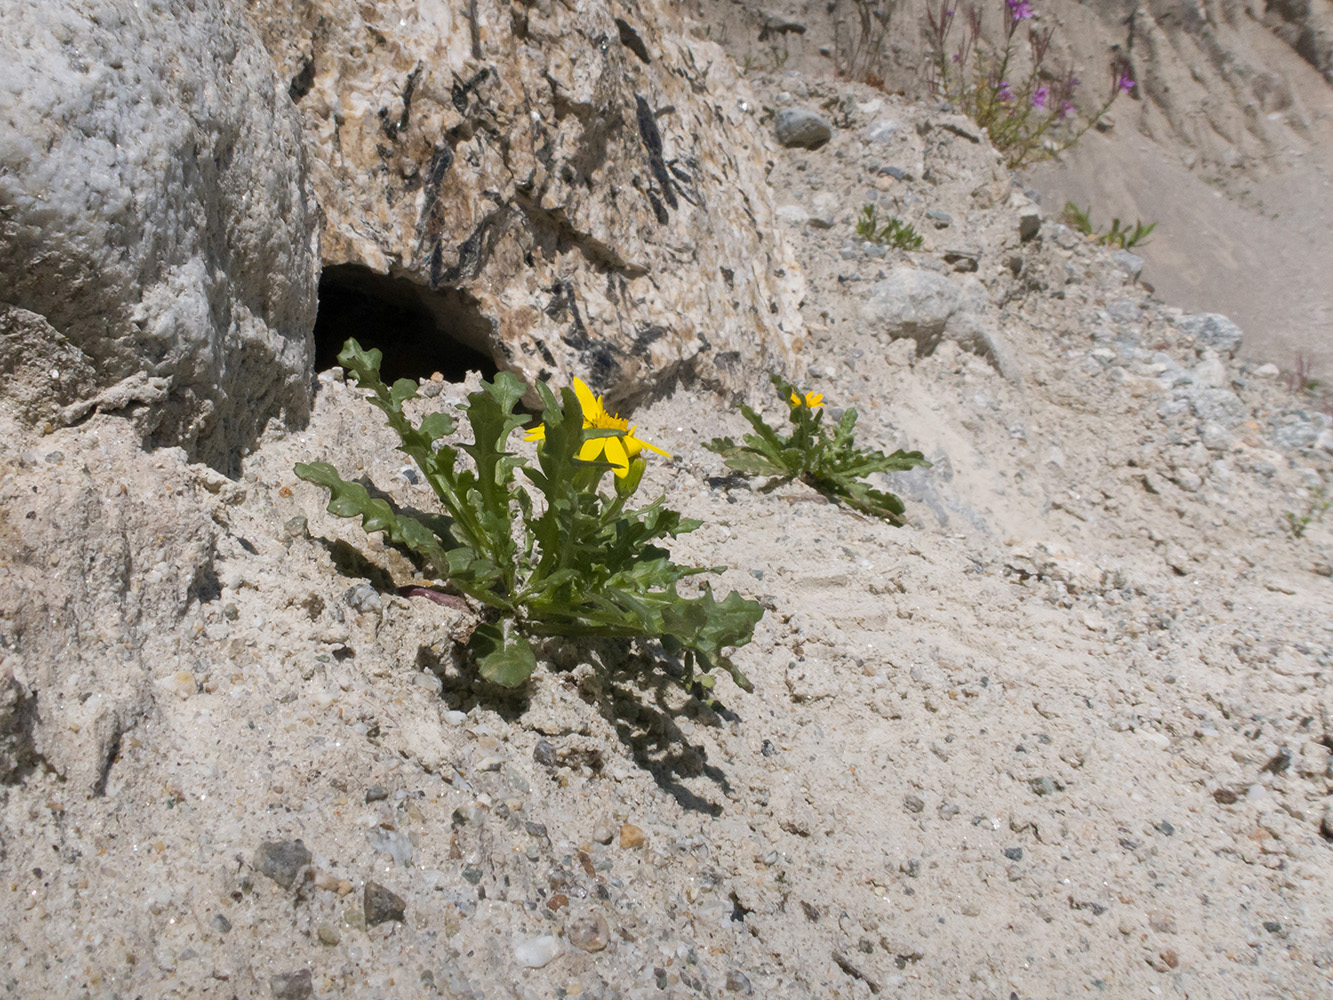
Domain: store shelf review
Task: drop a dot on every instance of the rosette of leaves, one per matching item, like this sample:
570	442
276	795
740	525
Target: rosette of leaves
580	563
829	463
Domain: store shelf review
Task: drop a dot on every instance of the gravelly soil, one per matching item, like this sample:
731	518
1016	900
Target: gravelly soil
1066	733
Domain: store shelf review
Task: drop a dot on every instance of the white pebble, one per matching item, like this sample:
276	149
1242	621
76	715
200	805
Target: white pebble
536	952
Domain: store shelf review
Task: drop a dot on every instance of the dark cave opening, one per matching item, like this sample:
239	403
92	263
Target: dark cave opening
420	332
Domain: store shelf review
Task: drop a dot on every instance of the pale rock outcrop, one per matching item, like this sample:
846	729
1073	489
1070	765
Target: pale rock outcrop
155	223
929	308
566	186
104	552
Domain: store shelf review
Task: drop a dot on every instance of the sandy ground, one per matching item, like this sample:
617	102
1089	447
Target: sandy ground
1068	733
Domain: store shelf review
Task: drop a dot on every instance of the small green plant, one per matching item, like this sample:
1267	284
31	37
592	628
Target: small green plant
1315	508
1124	238
1026	107
832	465
895	233
580	563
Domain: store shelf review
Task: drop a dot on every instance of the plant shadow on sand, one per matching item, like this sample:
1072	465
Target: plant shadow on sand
635	687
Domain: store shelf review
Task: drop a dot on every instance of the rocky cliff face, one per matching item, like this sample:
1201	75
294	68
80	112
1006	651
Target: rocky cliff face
157	236
564	187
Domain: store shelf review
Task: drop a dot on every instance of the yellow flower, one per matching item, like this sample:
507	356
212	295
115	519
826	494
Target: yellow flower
618	450
812	400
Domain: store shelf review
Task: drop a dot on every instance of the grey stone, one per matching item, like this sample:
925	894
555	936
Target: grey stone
1043	785
1029	224
1014	853
1131	264
913	803
1213	330
1296	435
158	217
284	861
897	173
880	131
363	598
911	303
941	219
776	23
1064	237
382	904
292	985
1210	373
799	128
1221	406
1215	437
976	330
1124	311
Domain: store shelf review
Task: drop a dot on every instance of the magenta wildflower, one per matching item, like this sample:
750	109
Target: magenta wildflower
1004	93
1125	83
1066	109
1039	97
1019	10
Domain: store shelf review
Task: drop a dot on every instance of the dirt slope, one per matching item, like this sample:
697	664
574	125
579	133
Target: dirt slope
1066	733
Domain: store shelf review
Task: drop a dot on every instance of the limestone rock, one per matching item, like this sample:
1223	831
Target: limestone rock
157	219
1213	330
799	128
562	185
912	303
105	551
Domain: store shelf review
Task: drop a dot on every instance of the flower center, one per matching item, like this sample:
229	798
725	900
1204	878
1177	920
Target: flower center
606	421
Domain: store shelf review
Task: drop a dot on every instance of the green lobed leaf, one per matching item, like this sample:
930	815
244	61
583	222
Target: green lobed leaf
354	500
503	654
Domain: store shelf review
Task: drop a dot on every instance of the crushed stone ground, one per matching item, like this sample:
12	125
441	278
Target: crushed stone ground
1067	733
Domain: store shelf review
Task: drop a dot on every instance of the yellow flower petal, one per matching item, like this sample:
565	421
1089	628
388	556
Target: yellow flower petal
592	449
537	433
616	455
592	405
634	445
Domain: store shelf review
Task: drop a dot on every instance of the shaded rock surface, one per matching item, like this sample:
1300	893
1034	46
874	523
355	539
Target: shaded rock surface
158	223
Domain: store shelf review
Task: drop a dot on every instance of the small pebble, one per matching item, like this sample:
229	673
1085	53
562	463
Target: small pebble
913	803
738	982
632	837
588	931
1043	786
544	754
1014	853
533	953
283	861
382	904
604	832
376	793
220	923
292	985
